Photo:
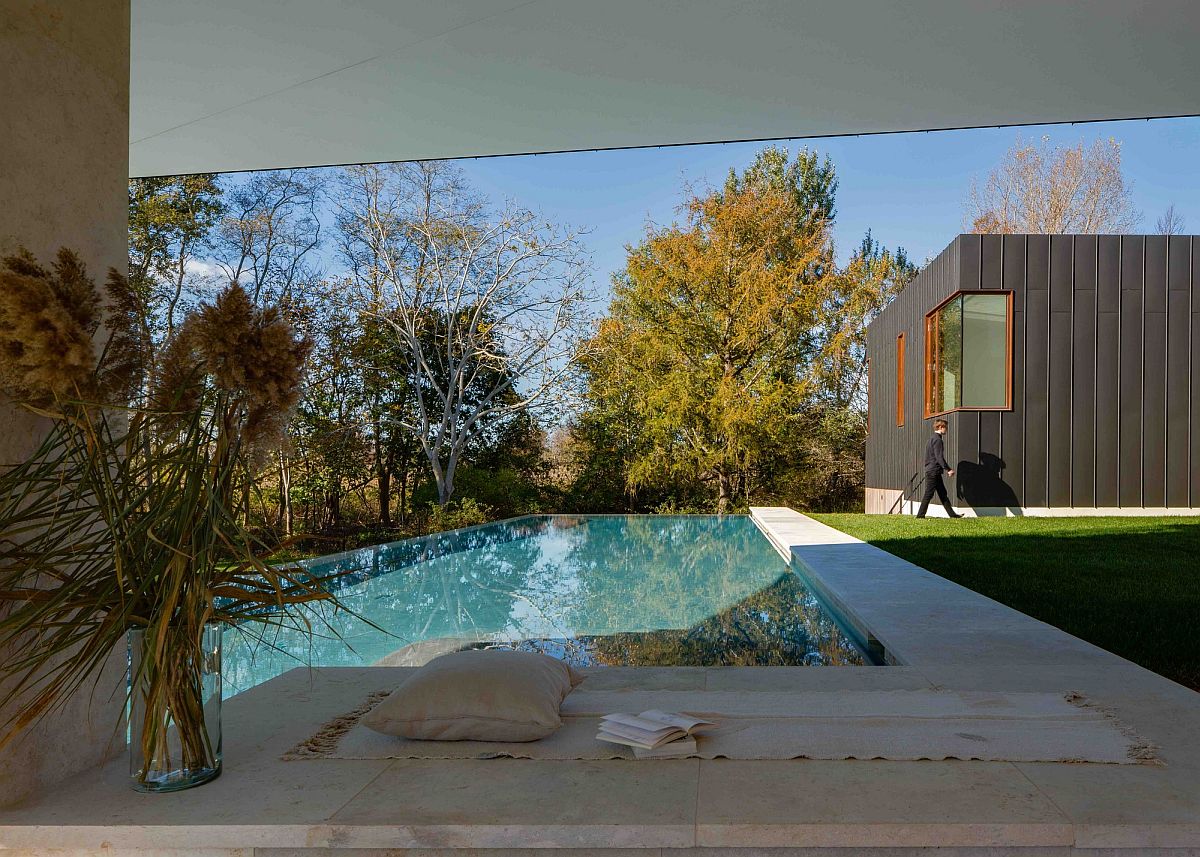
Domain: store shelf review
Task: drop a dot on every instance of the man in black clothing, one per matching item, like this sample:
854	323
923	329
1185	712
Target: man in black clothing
935	466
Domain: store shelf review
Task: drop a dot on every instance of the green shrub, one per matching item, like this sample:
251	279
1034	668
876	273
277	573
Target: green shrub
456	514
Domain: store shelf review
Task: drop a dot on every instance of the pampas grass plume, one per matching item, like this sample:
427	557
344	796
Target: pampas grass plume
47	321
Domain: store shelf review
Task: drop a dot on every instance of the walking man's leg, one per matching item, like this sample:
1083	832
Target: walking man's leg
945	497
932	482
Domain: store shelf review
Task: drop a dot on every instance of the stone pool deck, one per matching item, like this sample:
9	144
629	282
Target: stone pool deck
938	634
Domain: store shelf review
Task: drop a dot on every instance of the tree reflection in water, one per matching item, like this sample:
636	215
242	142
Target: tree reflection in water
639	590
781	625
461	585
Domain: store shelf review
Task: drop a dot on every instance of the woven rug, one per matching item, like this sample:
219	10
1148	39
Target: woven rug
899	725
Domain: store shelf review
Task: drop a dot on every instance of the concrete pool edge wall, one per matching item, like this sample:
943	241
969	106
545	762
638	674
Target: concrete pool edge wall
919	617
843	614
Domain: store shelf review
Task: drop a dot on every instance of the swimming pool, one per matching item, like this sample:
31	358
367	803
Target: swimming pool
638	590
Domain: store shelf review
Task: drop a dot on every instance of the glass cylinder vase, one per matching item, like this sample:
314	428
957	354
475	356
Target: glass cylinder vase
174	708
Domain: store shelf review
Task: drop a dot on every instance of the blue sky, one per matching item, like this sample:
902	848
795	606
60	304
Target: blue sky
909	189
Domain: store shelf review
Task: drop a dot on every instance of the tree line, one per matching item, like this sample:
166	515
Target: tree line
464	367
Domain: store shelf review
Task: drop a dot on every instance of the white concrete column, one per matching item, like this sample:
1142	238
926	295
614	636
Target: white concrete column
64	167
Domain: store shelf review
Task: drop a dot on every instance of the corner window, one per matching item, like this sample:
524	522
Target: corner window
968	353
900	380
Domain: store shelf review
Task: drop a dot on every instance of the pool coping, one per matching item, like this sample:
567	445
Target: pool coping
841	613
918	616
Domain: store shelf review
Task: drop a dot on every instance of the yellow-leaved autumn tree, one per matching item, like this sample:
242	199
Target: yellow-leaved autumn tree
710	334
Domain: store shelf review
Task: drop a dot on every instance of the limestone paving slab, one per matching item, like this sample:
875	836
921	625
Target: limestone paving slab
423	651
108	852
961	640
925	851
645	678
482	804
134	841
814	851
462	852
792	679
869	804
1146	807
1049	851
921	618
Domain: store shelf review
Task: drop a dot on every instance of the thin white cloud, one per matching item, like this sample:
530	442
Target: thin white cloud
202	268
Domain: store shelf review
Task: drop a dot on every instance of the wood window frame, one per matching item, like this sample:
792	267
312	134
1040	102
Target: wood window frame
900	380
868	395
931	357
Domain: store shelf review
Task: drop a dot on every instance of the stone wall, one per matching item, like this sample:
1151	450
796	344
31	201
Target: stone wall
64	158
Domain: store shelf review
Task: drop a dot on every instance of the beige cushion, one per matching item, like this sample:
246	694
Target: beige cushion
478	696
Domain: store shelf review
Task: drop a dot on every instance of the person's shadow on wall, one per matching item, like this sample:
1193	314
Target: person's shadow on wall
983	487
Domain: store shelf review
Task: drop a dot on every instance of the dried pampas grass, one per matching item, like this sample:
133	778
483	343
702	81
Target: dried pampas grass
123	364
137	516
47	321
251	354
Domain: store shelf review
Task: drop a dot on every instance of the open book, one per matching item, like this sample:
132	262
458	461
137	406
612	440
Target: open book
648	730
680	748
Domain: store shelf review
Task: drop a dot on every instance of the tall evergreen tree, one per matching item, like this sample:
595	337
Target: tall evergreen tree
810	181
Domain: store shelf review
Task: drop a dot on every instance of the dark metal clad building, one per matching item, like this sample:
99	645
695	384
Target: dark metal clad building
1066	366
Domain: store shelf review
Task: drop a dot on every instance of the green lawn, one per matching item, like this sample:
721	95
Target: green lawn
1130	585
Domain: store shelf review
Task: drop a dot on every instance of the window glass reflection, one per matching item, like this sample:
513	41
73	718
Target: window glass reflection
967	353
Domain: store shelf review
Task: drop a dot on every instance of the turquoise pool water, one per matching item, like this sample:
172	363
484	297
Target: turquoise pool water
632	590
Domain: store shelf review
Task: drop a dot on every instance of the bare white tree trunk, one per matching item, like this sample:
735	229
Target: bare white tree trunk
489	308
286	518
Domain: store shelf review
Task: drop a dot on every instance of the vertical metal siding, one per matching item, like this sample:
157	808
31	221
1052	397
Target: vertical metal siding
1178	354
1154	410
1037	367
894	453
989	435
1108	379
1059	369
969	260
991	261
1083	372
1132	358
1194	375
963	437
991	423
1156	272
1106	355
1176	464
1154	375
1012	435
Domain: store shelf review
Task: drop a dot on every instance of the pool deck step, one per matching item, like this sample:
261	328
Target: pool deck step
948	637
